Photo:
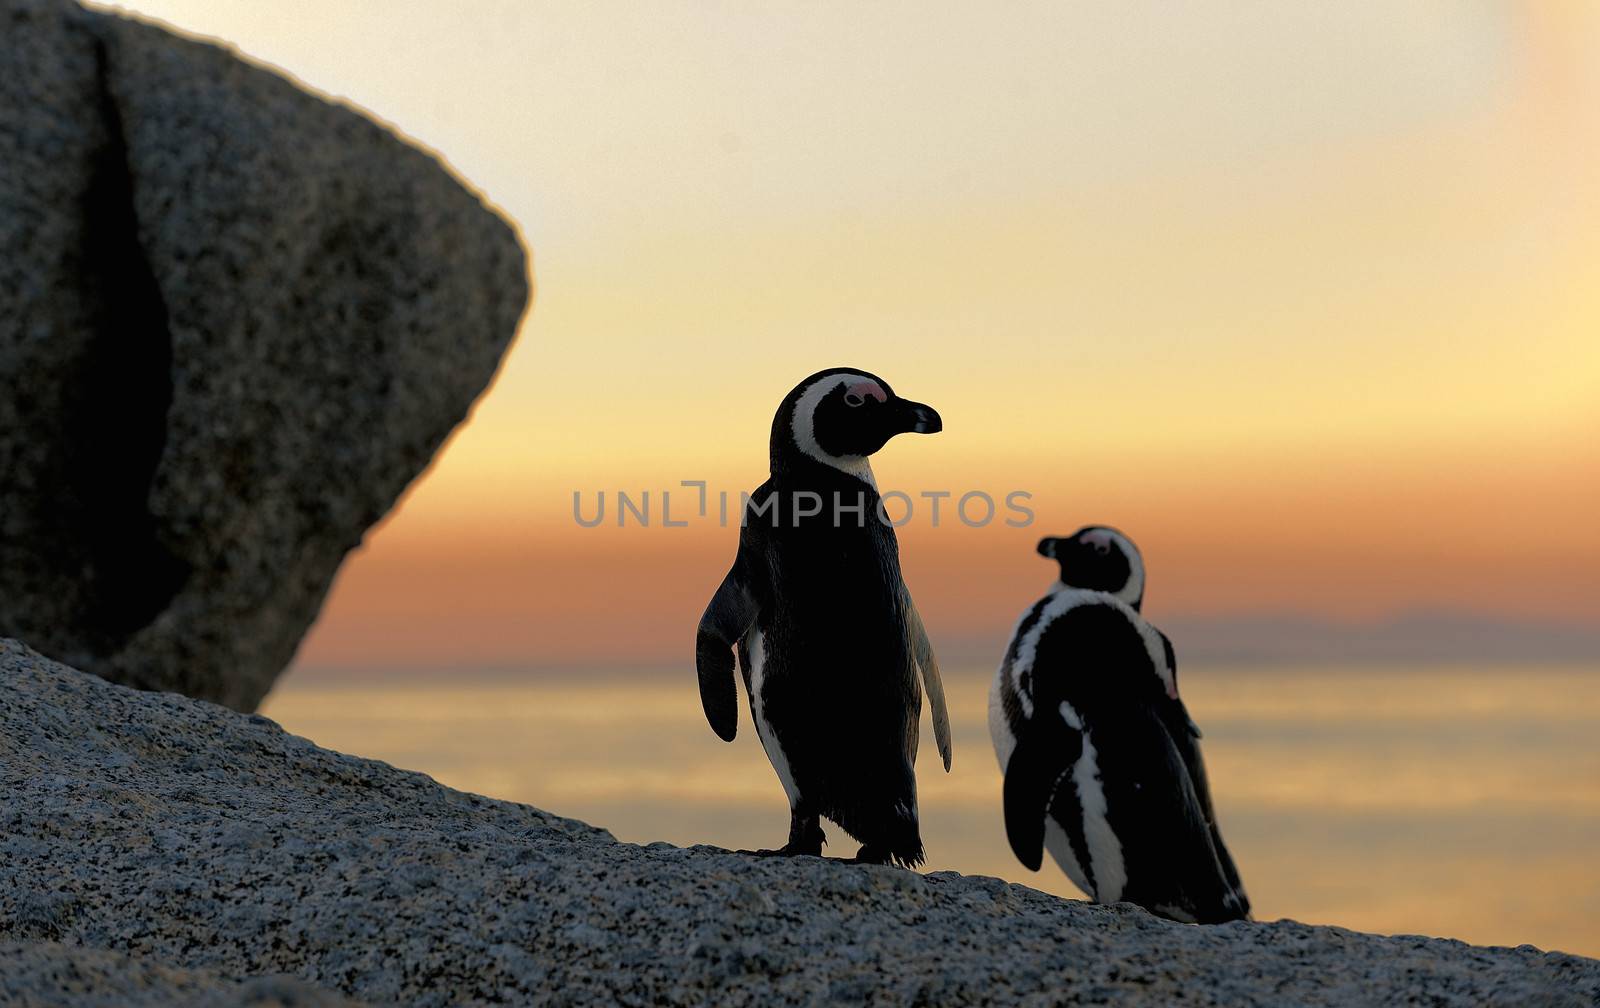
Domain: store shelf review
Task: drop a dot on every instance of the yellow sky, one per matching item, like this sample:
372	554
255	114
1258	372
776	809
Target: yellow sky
1305	297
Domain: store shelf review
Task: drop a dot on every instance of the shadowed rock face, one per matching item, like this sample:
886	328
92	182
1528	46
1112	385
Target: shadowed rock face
49	973
235	322
192	838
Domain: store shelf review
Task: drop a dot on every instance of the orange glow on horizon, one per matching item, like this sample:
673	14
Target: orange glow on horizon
1303	297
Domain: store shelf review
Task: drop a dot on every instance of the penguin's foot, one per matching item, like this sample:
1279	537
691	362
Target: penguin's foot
868	854
787	850
805	837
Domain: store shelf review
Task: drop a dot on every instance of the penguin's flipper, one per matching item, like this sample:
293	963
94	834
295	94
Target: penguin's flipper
731	612
1185	736
1185	733
1186	741
1044	754
1165	824
921	650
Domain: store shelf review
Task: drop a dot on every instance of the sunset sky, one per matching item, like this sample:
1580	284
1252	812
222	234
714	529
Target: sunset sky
1304	297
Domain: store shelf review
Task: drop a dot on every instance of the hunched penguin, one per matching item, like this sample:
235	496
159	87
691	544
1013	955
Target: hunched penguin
1101	759
828	640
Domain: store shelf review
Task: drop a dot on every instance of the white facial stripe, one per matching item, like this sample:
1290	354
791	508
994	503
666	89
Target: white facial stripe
1133	591
805	433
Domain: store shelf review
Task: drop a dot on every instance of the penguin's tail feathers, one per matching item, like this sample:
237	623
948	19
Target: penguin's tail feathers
904	837
887	831
909	856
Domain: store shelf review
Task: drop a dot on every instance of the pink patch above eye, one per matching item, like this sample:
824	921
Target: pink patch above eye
867	390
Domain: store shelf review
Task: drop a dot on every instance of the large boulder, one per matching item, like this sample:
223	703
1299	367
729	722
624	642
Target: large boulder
190	837
236	321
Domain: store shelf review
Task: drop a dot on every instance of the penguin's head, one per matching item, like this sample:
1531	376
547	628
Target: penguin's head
840	416
1099	558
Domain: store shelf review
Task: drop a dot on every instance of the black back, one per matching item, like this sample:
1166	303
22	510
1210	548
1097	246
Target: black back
1094	658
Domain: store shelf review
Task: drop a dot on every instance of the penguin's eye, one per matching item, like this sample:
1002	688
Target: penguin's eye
1025	681
861	391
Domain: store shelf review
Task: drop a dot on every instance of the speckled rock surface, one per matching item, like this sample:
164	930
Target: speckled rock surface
48	974
236	321
187	836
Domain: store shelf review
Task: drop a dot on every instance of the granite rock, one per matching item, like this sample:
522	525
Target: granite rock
236	321
48	974
187	836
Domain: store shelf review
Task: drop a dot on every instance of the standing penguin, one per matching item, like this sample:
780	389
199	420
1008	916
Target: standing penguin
827	637
1101	760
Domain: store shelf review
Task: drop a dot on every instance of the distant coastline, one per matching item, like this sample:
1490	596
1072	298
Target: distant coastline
1423	639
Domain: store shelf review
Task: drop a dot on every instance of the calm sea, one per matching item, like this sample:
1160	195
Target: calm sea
1451	801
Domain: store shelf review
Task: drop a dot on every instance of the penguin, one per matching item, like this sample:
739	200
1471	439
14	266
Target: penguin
829	644
1101	759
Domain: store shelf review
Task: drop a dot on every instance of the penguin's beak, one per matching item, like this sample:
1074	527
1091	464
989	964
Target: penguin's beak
1047	547
915	418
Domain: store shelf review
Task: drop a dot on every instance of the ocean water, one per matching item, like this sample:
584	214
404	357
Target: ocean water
1455	801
